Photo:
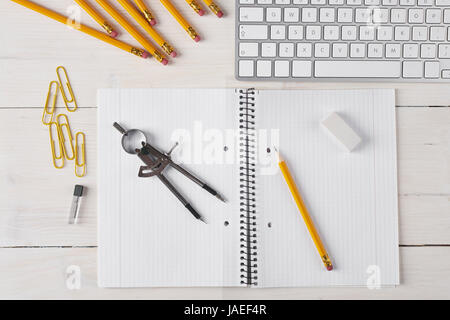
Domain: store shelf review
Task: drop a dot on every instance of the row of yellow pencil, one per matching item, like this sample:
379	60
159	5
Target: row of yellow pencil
144	18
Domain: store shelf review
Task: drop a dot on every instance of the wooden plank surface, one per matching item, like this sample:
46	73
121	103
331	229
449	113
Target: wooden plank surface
37	244
42	273
33	46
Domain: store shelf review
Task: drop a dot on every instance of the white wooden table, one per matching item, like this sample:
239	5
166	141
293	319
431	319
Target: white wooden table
36	243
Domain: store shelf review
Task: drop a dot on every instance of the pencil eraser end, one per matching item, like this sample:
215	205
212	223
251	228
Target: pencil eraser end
341	132
173	54
197	39
152	22
145	54
201	12
165	61
113	34
220	14
329	268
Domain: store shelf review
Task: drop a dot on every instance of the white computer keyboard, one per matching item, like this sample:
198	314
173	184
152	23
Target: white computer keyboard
382	40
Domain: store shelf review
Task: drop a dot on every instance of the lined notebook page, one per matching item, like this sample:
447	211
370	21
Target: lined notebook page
352	197
146	237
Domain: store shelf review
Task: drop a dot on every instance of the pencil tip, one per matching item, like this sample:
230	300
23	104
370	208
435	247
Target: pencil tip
218	196
202	220
278	154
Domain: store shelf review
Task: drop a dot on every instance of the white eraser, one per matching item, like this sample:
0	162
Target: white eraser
342	132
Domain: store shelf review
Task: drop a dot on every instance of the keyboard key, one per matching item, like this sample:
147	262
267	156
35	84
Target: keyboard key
384	33
447	16
251	14
375	50
286	50
419	33
357	69
282	68
437	33
444	3
357	50
253	32
363	15
295	33
432	69
273	15
246	68
313	32
398	15
410	50
278	32
415	16
326	15
433	16
309	15
322	50
331	32
428	51
412	69
301	69
291	14
366	33
348	32
380	15
304	50
401	33
248	49
268	49
264	68
345	15
340	50
446	74
444	51
393	50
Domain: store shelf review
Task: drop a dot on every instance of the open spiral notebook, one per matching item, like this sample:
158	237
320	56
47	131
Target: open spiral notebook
257	239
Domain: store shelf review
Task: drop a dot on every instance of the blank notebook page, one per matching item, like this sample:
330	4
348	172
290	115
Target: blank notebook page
352	197
146	237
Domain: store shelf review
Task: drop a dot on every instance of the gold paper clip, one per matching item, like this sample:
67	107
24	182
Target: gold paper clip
56	157
63	91
46	112
62	139
81	164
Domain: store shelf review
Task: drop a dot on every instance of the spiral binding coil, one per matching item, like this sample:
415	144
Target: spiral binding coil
247	186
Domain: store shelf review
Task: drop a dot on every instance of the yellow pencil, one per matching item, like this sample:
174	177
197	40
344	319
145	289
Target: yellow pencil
304	212
196	6
181	20
132	31
85	29
214	8
97	17
155	35
146	12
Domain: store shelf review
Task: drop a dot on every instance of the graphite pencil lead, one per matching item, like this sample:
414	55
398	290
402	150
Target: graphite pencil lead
218	196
